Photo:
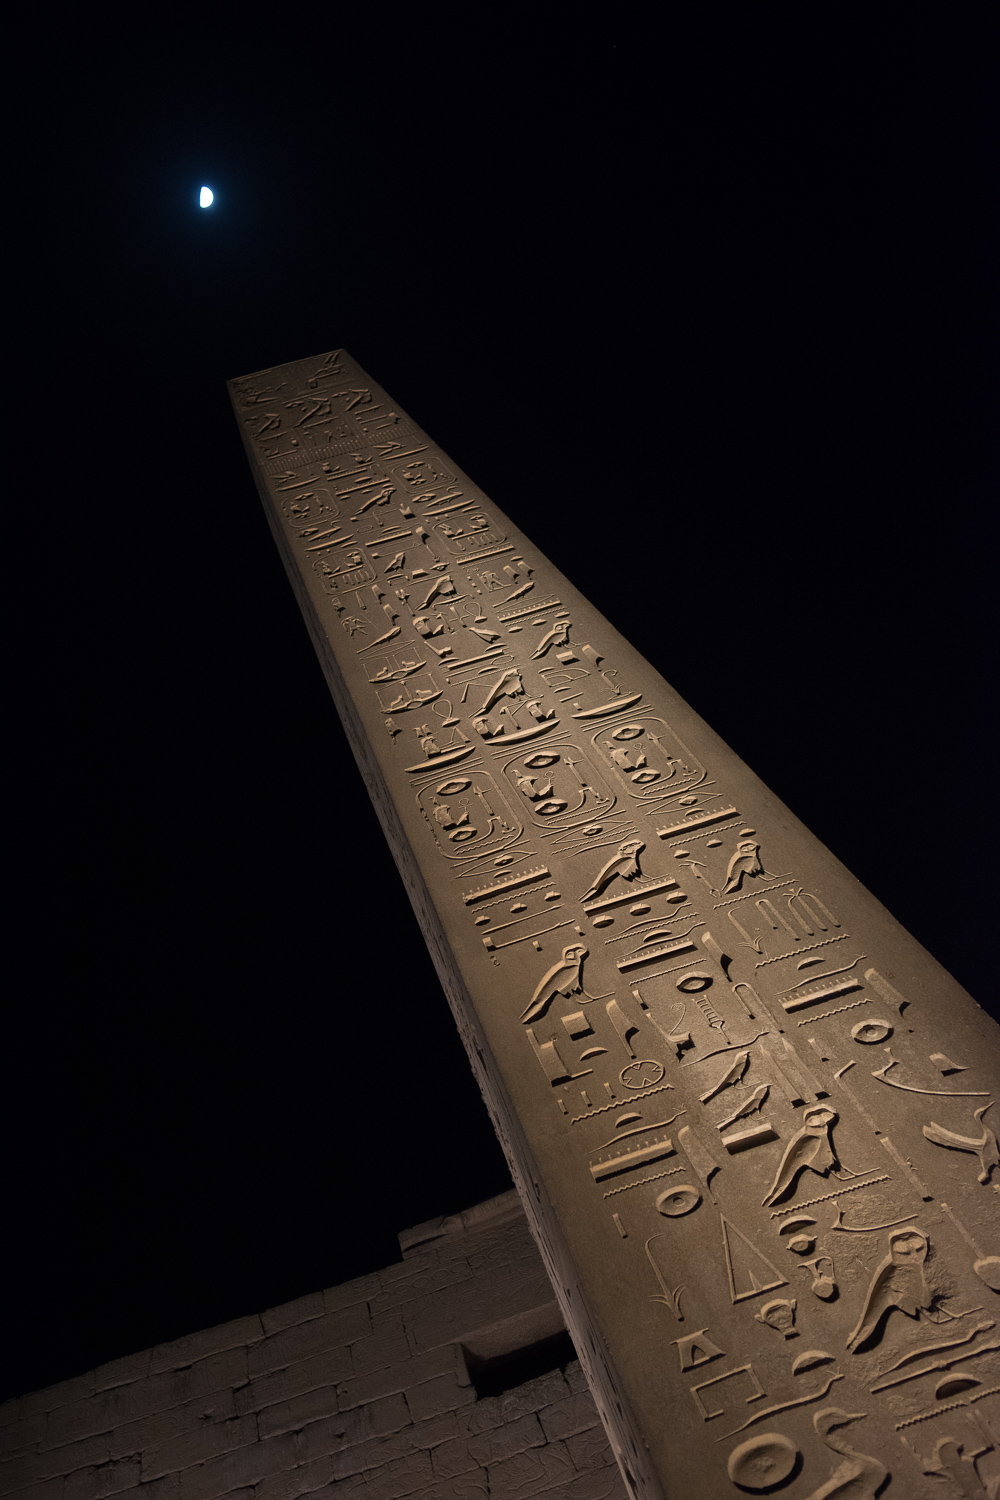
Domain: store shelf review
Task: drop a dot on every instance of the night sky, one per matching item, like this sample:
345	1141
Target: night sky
726	281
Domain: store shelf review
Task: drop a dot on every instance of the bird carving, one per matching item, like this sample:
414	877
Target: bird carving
809	1150
858	1477
557	636
985	1147
625	864
899	1282
746	861
564	978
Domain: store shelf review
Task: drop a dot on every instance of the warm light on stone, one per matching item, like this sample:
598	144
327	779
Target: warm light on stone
744	1109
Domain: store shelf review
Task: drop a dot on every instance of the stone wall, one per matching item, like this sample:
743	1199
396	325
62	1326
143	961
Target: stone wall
367	1389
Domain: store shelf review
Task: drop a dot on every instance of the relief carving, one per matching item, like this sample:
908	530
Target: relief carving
647	757
882	1074
757	1391
900	1283
625	865
745	864
744	1264
983	1146
460	646
695	1349
558	786
779	1314
764	1462
468	815
564	978
857	1477
811	1149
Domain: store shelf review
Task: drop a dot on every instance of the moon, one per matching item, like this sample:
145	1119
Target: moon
206	198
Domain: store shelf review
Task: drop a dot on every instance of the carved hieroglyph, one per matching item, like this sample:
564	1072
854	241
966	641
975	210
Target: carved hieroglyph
748	1115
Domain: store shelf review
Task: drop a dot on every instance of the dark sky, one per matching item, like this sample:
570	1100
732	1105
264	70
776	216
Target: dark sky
732	277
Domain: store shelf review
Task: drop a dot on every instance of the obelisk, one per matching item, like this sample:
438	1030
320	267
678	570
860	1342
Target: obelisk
750	1118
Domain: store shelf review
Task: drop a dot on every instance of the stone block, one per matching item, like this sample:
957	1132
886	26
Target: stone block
195	1346
217	1372
113	1409
291	1416
400	1477
419	1238
490	1448
301	1310
192	1448
10	1411
590	1449
527	1473
105	1479
335	1298
453	1458
432	1397
376	1454
595	1484
167	1488
123	1371
342	1488
438	1430
419	1259
416	1279
484	1415
387	1415
353	1484
17	1473
331	1331
300	1479
82	1419
573	1414
354	1428
493	1411
162	1427
491	1247
47	1489
398	1377
330	1367
575	1378
461	1234
533	1395
89	1451
493	1212
237	1470
484	1299
312	1478
471	1486
385	1345
24	1434
54	1396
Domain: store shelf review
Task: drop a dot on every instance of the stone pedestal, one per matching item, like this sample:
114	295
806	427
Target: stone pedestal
748	1115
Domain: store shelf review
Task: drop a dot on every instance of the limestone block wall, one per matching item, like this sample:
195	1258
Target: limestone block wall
367	1389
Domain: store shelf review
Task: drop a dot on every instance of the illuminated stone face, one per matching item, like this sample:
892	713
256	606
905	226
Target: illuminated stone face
669	990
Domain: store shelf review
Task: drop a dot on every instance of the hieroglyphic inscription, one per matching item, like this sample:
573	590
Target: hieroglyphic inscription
694	1030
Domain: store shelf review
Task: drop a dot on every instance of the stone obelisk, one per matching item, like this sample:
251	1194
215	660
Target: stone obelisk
750	1118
